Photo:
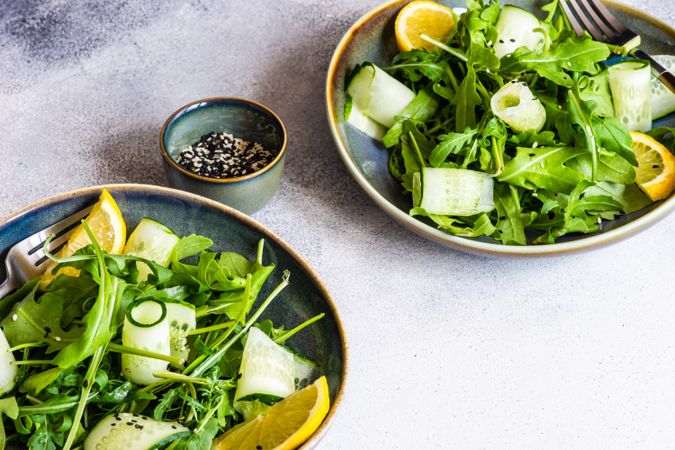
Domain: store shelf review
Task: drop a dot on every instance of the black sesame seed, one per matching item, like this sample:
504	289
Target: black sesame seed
221	155
501	41
113	424
85	384
259	447
512	40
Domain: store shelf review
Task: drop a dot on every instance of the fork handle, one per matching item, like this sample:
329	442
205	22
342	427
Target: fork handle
6	287
664	75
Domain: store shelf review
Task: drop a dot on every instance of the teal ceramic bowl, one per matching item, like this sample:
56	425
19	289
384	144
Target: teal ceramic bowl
372	38
306	296
242	118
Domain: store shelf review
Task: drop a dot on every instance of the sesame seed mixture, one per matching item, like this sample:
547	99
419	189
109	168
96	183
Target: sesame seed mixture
221	155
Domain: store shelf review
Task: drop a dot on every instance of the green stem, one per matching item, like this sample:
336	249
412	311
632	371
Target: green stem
214	358
208	415
284	337
418	153
181	378
215	327
591	140
51	408
117	348
452	78
35	362
453	51
259	254
27	345
498	157
84	398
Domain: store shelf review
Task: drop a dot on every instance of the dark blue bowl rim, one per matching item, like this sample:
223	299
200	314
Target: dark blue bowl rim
210	101
246	220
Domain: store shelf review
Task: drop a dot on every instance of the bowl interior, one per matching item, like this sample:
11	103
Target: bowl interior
241	118
305	297
373	40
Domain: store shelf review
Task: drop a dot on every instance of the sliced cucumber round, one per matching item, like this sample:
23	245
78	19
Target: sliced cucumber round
378	95
267	369
8	368
126	431
356	118
146	327
151	240
630	83
516	105
455	192
517	28
663	99
182	320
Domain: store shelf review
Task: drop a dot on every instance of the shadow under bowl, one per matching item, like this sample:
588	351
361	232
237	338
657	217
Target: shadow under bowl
243	119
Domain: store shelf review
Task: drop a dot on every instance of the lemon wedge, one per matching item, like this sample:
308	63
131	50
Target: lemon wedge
656	166
106	223
285	426
422	17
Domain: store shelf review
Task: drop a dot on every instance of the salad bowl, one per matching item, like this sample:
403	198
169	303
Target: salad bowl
372	39
185	213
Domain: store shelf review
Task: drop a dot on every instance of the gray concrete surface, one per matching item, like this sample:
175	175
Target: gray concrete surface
448	350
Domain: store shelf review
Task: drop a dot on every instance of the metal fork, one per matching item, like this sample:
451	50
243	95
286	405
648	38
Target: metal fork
26	259
594	17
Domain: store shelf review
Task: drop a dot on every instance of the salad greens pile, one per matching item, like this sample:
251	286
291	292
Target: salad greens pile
565	176
67	338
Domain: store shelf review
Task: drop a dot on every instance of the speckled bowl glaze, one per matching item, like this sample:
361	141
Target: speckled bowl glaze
244	119
305	297
371	38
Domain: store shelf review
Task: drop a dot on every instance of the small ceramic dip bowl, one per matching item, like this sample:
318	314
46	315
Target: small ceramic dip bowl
247	191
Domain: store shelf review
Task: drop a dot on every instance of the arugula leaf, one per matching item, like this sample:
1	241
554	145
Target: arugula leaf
511	220
665	135
459	226
629	196
574	54
596	89
417	65
543	168
9	408
450	143
614	137
420	109
467	101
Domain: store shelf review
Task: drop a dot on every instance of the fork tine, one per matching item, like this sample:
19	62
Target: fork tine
35	241
588	24
607	16
571	17
591	9
54	245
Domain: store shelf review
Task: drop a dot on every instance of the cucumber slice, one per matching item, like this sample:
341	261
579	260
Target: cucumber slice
146	327
304	371
630	83
267	369
455	192
151	240
663	99
182	320
356	118
517	28
8	368
517	106
126	431
377	94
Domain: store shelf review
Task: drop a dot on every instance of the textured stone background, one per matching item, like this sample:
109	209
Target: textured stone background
448	350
